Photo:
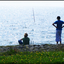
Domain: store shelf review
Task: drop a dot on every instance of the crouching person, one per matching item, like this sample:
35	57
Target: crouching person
25	40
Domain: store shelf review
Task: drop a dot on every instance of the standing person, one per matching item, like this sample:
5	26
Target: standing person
26	39
58	29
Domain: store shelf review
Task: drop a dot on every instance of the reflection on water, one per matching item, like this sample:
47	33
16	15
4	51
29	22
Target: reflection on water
15	22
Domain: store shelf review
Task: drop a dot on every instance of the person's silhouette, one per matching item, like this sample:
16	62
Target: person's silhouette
58	24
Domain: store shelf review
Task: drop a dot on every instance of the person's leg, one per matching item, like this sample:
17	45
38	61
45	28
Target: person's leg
60	35
57	42
60	42
20	42
57	36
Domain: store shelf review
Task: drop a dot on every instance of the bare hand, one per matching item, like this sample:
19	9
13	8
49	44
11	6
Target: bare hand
62	26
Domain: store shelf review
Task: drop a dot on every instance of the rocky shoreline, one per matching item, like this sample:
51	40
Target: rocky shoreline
33	48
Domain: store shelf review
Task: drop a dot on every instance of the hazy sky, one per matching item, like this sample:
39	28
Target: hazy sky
32	3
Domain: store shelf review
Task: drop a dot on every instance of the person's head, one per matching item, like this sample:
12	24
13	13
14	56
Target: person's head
58	17
25	35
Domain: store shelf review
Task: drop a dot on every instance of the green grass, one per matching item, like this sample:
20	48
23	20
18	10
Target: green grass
15	57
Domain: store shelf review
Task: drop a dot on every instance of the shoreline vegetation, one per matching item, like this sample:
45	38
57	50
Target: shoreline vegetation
32	54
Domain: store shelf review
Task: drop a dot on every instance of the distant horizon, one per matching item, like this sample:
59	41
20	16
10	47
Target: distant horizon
32	3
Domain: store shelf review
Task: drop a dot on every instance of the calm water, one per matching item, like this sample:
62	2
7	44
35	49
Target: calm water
14	22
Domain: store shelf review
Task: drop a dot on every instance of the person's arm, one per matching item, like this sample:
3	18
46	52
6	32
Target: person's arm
62	26
21	39
54	25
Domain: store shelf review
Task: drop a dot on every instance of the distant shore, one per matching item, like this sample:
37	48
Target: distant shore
33	48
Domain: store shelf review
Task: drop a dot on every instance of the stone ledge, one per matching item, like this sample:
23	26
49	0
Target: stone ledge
43	47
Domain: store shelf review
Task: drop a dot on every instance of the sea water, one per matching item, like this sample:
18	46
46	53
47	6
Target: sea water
14	22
